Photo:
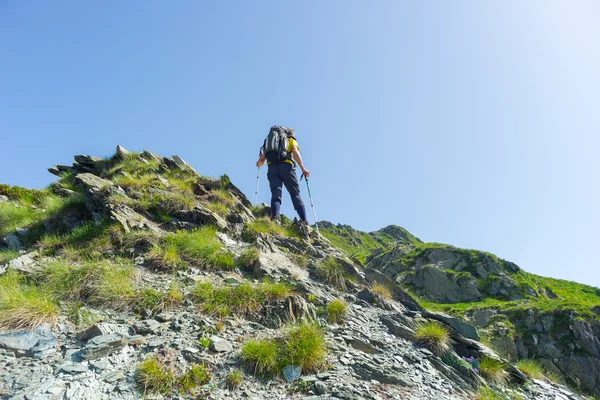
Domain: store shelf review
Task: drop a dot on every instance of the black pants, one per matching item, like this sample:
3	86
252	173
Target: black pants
285	174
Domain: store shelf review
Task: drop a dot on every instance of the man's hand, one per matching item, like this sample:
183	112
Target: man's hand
306	173
261	161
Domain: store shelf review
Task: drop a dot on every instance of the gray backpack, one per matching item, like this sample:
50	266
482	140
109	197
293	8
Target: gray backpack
276	145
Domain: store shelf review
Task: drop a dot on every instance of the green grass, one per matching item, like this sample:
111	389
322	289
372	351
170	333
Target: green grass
155	302
29	196
241	299
218	208
264	225
531	368
157	376
332	272
234	379
24	305
248	258
337	310
302	345
434	336
222	196
199	247
485	393
382	290
493	370
101	283
8	255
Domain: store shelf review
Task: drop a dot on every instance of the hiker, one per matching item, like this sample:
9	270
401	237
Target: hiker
280	150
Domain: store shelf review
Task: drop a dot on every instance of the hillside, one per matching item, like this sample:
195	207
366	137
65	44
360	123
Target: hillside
135	276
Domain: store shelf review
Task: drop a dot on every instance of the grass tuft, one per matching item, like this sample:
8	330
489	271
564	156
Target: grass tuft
434	336
240	299
234	379
248	258
332	272
155	302
531	368
155	376
493	370
302	345
23	305
198	375
382	290
485	393
337	310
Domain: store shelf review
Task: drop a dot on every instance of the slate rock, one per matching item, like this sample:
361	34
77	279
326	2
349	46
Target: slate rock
220	345
101	346
13	242
319	388
146	326
38	344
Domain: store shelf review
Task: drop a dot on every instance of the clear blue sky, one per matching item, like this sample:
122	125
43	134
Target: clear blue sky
474	123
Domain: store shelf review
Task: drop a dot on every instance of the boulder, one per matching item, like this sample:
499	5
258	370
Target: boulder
147	326
40	343
122	152
12	242
101	346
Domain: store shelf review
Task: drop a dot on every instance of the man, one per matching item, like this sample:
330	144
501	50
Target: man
283	172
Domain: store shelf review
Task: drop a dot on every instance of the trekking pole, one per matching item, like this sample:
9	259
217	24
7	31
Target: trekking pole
257	179
311	202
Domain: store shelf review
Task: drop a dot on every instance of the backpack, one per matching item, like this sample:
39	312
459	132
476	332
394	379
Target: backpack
276	145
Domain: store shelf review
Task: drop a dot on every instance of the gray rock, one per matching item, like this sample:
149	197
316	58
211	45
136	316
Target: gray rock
146	326
103	328
38	344
71	368
3	198
122	152
13	242
100	365
114	376
25	264
104	345
468	331
22	231
220	345
319	388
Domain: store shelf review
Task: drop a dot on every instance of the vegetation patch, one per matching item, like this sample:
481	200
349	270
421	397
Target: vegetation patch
486	393
302	345
8	255
434	336
156	376
531	368
248	258
199	247
332	271
382	290
218	208
234	379
493	370
266	226
240	299
154	302
337	311
24	305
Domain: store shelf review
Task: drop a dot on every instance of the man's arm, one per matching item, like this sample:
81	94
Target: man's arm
261	161
298	159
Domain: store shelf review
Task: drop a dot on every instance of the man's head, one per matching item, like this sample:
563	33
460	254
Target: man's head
291	132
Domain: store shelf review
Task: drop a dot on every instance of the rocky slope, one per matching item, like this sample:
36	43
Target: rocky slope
137	267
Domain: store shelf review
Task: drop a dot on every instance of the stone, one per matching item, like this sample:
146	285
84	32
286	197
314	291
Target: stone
137	340
71	368
100	365
319	388
101	346
114	376
363	346
103	328
25	264
3	198
38	344
468	331
22	231
146	326
291	373
122	152
220	345
13	242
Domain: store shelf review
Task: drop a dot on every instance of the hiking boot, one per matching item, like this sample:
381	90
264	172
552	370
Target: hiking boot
276	220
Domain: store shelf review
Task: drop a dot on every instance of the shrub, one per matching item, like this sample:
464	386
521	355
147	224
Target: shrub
240	299
531	368
23	305
234	379
434	336
302	345
337	311
493	370
249	257
332	272
382	290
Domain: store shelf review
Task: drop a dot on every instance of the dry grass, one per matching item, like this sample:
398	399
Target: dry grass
382	290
